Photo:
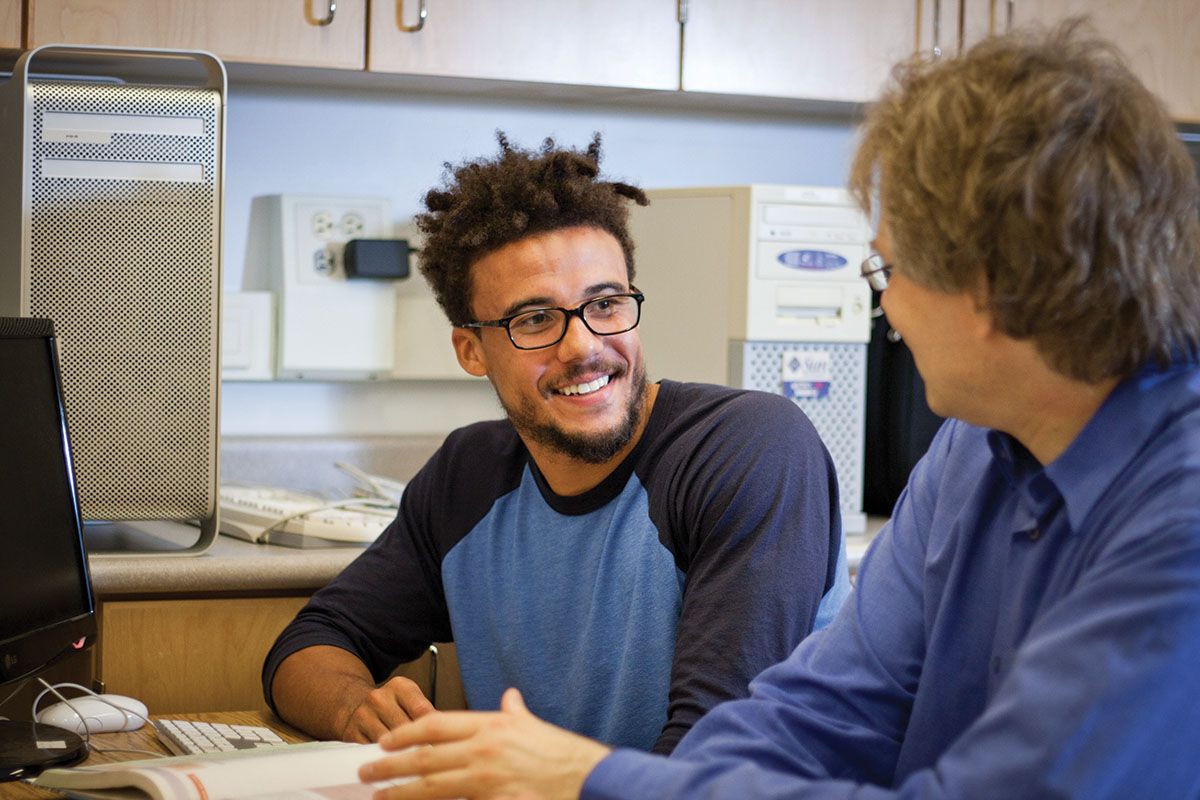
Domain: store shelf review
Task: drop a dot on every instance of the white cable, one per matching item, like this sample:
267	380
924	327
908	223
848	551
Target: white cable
384	488
88	692
129	750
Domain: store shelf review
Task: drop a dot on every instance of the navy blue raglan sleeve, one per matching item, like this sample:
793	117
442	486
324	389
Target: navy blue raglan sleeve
750	506
387	605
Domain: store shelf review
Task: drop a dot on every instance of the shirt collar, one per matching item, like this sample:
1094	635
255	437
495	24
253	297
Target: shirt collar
1038	494
1098	455
1135	409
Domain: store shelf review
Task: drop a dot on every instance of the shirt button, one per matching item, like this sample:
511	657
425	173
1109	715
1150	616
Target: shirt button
1035	534
996	664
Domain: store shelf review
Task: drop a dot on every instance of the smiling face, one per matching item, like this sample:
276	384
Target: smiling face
584	398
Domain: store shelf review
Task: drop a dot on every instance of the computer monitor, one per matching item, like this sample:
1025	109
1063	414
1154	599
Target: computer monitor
45	591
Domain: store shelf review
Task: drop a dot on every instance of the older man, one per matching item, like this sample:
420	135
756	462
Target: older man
1028	624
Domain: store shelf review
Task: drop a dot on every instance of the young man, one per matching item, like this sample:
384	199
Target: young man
1028	625
627	554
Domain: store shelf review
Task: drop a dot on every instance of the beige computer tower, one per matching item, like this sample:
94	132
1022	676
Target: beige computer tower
758	287
111	188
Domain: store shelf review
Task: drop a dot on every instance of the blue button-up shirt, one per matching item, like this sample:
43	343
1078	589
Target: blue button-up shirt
1018	631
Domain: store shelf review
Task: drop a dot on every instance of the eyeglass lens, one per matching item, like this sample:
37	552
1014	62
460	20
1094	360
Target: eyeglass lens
876	272
603	316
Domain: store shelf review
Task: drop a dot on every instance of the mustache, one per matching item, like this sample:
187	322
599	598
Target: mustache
574	372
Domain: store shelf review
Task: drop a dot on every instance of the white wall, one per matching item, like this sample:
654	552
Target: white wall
331	141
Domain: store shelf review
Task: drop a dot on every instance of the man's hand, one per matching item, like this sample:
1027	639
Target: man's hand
388	706
328	693
505	754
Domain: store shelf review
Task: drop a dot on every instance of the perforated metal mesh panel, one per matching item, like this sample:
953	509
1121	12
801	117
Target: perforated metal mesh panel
127	269
838	417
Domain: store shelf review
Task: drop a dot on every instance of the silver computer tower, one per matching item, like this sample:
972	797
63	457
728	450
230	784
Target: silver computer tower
111	189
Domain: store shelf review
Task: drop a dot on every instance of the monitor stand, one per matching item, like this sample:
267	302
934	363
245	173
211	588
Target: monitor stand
27	748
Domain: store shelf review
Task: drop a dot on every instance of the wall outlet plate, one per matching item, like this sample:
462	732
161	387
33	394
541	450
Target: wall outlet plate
328	327
248	336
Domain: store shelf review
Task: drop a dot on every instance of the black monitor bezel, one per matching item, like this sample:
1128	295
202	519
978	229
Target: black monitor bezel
30	652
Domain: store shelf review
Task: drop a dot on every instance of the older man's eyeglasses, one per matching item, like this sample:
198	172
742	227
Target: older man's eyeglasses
876	271
544	327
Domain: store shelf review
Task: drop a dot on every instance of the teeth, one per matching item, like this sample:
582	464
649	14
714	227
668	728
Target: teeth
585	388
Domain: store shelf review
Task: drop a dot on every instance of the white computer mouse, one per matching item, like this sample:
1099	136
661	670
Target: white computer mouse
100	717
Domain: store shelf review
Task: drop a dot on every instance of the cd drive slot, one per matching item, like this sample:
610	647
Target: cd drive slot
56	125
121	170
809	303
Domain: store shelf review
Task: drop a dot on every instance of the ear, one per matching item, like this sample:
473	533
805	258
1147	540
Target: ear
468	347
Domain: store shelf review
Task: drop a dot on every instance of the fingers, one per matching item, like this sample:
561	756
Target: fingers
410	697
455	784
512	702
439	728
391	705
417	761
364	726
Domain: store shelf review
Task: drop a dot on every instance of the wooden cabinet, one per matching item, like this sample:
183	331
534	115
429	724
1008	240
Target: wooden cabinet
812	49
190	655
626	43
206	654
1159	37
261	32
10	24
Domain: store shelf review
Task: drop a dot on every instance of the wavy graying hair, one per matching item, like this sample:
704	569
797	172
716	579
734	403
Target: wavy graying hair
1038	161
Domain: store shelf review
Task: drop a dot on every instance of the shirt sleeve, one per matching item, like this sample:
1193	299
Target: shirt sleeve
753	509
828	722
387	606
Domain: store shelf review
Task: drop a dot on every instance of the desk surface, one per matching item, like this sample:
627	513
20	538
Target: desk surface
146	739
230	565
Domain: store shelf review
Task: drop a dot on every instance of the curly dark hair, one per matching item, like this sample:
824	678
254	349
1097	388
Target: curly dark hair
486	204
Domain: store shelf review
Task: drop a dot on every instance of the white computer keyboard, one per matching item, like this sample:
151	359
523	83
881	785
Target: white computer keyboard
247	512
184	737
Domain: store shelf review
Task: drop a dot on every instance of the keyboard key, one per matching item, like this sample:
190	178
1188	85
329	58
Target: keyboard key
183	737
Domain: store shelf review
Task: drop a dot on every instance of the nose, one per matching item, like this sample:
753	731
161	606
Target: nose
578	342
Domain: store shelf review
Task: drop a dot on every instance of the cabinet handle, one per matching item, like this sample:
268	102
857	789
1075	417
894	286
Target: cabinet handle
421	13
937	28
962	23
331	10
1008	24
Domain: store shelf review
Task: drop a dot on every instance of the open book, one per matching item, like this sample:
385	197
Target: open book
313	770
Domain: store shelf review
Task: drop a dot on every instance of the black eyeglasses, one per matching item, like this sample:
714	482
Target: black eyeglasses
545	327
876	271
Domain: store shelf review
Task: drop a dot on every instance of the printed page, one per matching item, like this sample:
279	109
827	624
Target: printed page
319	769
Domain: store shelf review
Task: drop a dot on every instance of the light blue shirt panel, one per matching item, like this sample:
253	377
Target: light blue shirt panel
832	600
578	612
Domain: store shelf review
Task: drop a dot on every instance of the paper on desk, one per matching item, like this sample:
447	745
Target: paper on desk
318	770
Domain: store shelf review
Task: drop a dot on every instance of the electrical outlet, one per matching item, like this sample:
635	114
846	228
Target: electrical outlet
322	226
328	327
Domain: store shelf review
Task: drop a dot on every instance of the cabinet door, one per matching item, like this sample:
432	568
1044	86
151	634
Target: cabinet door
627	43
1159	37
813	49
190	655
10	24
262	32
